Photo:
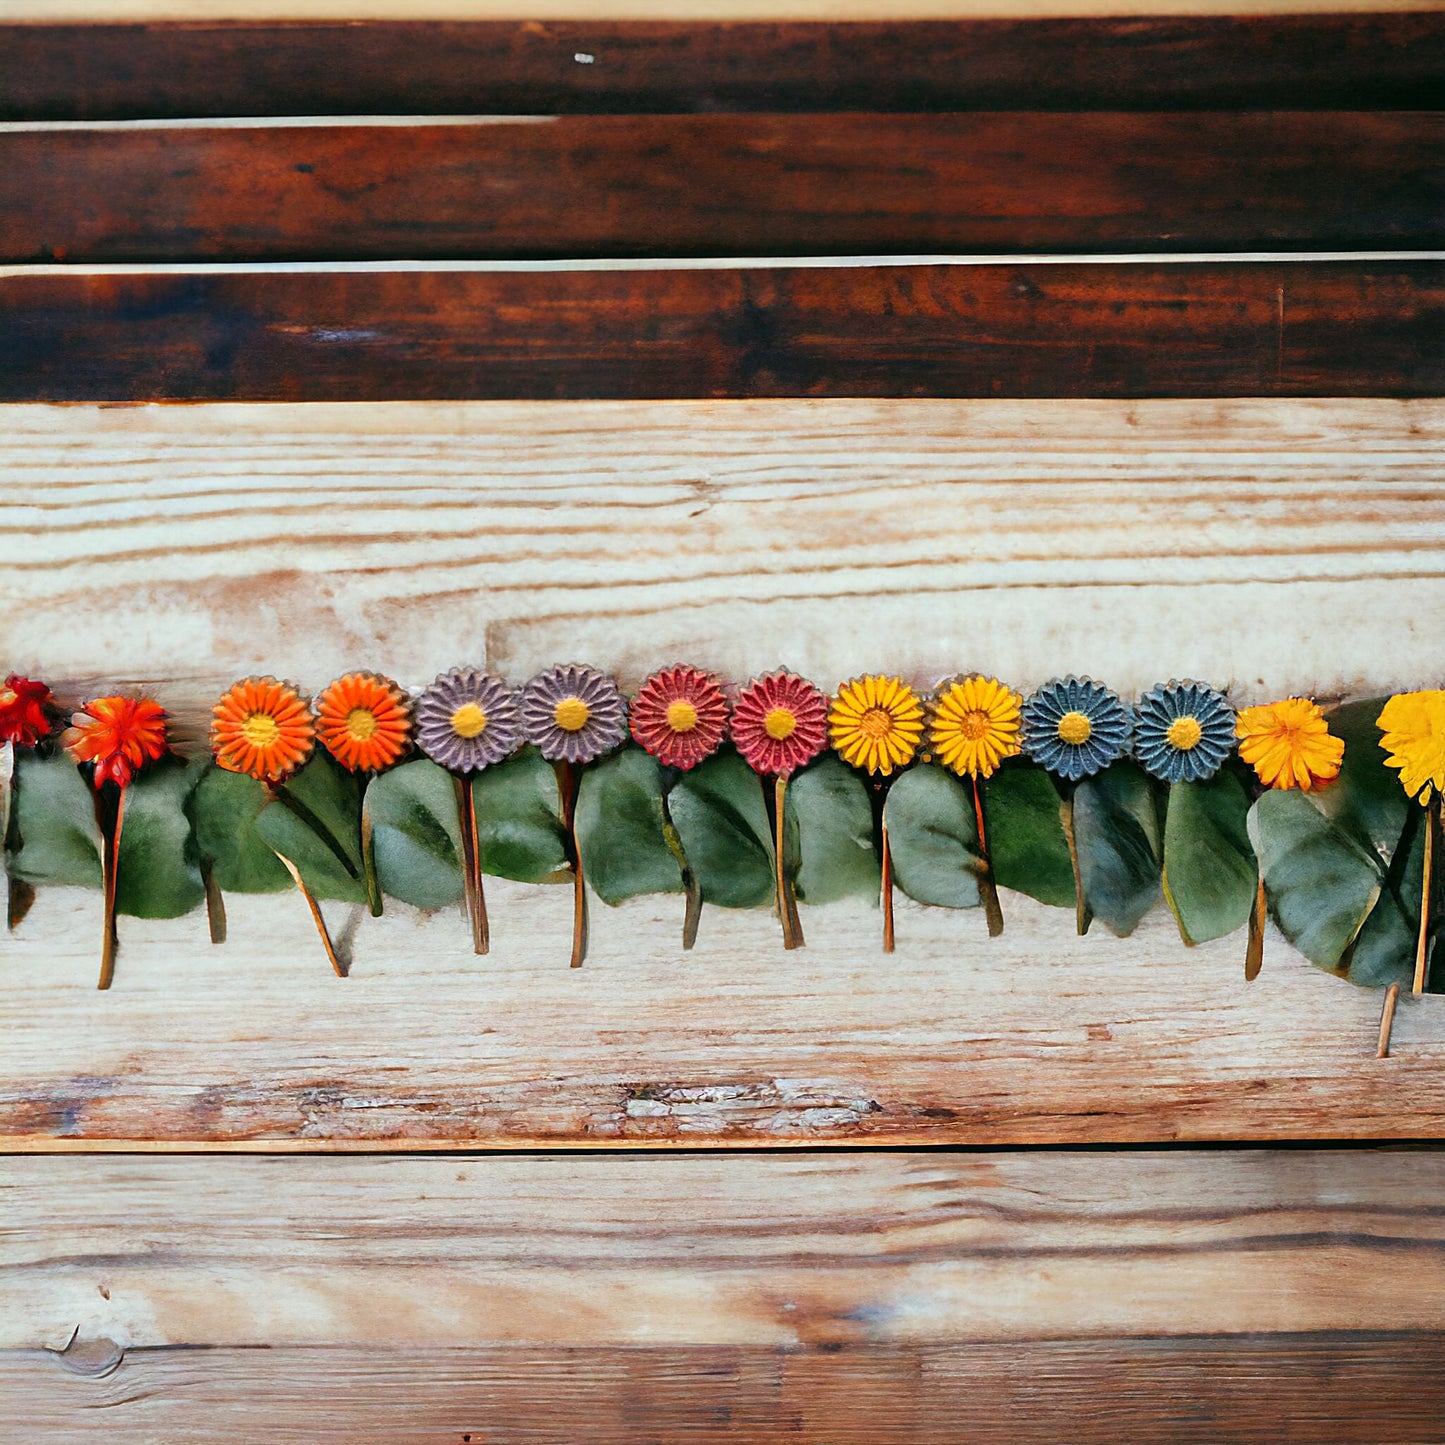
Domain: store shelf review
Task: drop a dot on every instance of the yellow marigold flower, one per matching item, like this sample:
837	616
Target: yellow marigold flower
1413	724
1289	744
876	723
973	725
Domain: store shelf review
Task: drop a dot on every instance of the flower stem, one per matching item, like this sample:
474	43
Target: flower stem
215	903
316	917
886	860
692	889
1422	946
1254	948
787	904
987	887
472	863
1387	1021
568	779
110	869
368	851
1083	915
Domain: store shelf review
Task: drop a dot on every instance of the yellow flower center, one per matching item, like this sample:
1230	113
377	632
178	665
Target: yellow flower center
780	724
469	721
571	714
361	724
876	724
973	725
260	729
681	716
7	697
1075	729
1184	733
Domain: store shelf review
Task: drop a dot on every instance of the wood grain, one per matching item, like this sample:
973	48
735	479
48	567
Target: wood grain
1231	1295
1359	327
723	185
413	67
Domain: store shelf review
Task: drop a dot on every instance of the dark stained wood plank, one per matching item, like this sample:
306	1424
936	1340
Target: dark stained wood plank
1356	61
726	185
1344	328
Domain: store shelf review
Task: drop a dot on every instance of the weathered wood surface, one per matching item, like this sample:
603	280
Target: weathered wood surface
510	67
1251	1296
722	185
1137	328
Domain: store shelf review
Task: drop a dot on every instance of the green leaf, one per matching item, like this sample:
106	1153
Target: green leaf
1026	841
1117	834
933	838
518	821
315	821
224	809
55	822
1366	800
1210	875
722	819
158	871
836	856
1320	882
416	834
620	824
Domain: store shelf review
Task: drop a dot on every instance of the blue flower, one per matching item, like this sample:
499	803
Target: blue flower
1075	727
1185	731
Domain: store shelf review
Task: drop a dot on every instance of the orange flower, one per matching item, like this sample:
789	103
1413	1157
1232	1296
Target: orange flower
120	735
365	721
1289	744
264	728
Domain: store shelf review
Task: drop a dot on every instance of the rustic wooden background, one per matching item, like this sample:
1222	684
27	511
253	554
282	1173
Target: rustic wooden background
1097	335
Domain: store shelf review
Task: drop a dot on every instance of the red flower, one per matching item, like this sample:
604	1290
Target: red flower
680	716
780	722
23	719
120	735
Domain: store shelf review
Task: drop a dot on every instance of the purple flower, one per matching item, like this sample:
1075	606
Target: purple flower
573	714
468	720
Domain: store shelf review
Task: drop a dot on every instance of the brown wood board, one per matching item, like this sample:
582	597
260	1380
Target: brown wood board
1026	328
724	185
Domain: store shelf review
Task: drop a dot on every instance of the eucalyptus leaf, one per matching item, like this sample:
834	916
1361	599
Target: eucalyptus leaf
158	870
722	819
1026	842
1320	882
315	821
518	822
1120	845
836	855
933	837
54	820
224	809
1210	874
620	823
416	834
1366	800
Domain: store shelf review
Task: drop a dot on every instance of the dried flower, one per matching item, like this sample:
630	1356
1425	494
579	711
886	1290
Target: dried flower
364	721
573	713
876	723
974	725
467	720
24	718
1075	727
780	723
680	716
1413	724
1183	731
120	735
263	728
1289	744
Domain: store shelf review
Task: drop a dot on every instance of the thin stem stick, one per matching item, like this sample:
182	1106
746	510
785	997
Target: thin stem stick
887	884
1387	1021
368	852
472	863
568	778
1083	915
1254	948
787	906
110	868
1422	947
315	908
215	903
692	909
987	887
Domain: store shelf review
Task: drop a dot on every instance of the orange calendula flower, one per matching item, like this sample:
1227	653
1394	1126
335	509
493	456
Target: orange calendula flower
1413	724
974	725
120	735
876	723
364	721
1289	744
263	728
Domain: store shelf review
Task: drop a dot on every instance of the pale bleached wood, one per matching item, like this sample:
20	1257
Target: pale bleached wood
1035	1037
183	546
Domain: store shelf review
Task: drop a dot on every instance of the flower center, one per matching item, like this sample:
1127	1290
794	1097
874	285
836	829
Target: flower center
260	729
876	724
469	721
780	724
681	716
973	725
1075	729
7	697
571	714
1184	733
361	724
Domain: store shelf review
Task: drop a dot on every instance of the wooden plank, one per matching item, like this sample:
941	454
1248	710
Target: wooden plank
722	185
1252	1296
1357	327
415	67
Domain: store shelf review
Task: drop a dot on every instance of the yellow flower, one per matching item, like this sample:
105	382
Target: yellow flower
876	723
974	725
1289	744
1413	724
